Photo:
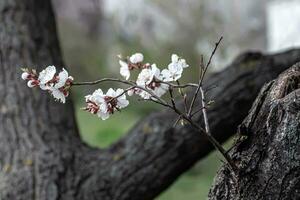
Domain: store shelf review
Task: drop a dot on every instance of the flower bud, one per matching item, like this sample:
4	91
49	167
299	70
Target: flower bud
31	83
136	58
25	75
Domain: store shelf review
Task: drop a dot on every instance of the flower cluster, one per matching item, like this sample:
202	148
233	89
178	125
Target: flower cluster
150	77
58	85
151	83
105	105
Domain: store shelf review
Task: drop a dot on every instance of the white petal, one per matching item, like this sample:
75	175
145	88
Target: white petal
124	70
155	70
176	76
103	115
47	74
146	76
98	92
111	93
183	63
165	75
119	91
45	87
63	77
58	95
97	97
88	97
103	107
174	58
145	95
122	103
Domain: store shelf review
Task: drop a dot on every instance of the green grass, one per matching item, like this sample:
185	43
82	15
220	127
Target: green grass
102	133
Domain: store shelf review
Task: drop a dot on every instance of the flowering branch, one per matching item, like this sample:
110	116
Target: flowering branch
151	84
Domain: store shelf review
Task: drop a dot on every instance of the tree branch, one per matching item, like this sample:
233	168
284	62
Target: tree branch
154	153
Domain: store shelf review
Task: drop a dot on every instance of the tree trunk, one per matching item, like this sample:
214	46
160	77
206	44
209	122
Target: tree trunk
41	153
268	153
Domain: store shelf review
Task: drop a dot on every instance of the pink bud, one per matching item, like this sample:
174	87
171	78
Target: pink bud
25	75
32	83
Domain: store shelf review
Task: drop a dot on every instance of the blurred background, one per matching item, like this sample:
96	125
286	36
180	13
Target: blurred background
93	32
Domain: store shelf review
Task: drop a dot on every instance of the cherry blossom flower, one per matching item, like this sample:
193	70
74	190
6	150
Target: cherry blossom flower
179	61
105	105
47	74
124	69
134	62
151	79
146	75
175	69
136	58
57	85
60	89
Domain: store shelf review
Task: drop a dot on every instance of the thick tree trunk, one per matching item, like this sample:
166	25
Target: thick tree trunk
41	154
268	153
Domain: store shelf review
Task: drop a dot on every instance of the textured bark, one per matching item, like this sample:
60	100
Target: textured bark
268	153
41	154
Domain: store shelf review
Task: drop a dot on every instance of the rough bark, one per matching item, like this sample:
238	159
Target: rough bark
41	154
268	153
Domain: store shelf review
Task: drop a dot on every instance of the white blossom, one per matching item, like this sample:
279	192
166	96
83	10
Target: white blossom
179	61
146	75
124	69
122	102
47	74
150	79
175	69
173	73
105	105
136	58
57	85
62	77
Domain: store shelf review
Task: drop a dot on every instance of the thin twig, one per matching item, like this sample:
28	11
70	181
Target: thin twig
101	81
207	130
172	97
176	122
183	97
198	88
124	92
194	113
179	85
120	81
210	59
